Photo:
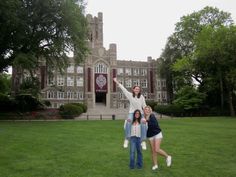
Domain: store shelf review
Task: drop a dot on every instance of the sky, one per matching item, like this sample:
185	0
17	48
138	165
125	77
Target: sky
140	28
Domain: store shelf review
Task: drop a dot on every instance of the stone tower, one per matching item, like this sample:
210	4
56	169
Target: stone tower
100	66
95	30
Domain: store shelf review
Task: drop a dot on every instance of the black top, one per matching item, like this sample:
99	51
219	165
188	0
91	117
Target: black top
153	126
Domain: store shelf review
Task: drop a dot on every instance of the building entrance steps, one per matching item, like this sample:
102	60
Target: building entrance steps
100	111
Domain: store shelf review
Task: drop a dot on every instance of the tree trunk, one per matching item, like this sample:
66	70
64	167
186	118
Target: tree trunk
221	92
169	89
16	79
231	106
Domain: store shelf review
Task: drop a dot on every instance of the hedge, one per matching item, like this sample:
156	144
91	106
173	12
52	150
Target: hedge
70	110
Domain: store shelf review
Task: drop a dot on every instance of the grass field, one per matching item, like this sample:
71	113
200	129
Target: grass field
200	147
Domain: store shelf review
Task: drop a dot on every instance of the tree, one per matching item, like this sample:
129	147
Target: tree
216	48
168	56
186	31
180	47
189	98
33	31
30	85
5	83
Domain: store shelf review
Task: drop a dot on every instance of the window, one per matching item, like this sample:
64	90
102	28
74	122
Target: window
120	105
128	71
60	80
164	85
101	68
80	69
60	95
80	95
70	69
145	95
50	80
70	80
128	83
143	72
135	71
54	105
69	95
136	82
79	81
121	95
120	71
144	83
163	95
50	94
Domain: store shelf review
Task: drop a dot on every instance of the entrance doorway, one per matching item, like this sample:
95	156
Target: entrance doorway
101	97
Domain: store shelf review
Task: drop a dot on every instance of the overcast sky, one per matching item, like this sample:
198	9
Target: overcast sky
140	28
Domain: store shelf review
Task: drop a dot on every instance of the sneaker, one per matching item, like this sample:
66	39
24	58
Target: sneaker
168	161
155	167
144	146
126	142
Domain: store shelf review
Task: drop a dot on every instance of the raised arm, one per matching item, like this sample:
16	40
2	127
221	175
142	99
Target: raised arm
116	81
124	90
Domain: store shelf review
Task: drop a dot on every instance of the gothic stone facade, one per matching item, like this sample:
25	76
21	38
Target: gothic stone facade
92	82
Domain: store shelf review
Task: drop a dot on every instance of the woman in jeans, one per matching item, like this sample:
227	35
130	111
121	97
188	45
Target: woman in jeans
135	141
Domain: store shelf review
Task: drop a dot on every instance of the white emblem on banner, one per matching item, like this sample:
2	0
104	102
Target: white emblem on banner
101	81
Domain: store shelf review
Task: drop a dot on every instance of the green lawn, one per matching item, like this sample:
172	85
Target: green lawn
200	147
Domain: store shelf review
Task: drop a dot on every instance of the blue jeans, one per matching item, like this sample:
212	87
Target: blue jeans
135	145
128	127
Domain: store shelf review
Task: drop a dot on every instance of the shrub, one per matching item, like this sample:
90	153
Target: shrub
69	111
151	103
172	110
189	98
46	103
83	106
26	102
6	104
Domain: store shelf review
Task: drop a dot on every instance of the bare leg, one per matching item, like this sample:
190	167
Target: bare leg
153	152
157	144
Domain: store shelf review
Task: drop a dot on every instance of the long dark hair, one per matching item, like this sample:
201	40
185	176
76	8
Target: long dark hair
139	94
140	115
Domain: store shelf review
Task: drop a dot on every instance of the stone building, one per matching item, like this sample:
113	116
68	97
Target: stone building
92	81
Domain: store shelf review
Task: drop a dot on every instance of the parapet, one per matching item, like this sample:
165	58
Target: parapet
112	47
100	16
90	18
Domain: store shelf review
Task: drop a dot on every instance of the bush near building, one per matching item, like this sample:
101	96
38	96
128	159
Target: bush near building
83	106
70	110
6	104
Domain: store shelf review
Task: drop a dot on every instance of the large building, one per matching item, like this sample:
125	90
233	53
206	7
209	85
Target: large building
92	82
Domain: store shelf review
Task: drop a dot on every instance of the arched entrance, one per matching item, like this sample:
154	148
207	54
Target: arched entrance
101	79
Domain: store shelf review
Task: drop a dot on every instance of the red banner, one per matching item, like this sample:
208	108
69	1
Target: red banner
114	75
100	82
